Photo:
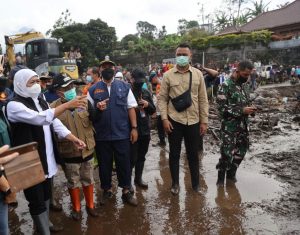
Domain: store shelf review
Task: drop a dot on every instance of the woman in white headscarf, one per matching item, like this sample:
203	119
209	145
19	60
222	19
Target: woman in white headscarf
31	119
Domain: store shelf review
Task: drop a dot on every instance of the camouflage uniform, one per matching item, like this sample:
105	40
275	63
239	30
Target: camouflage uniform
232	98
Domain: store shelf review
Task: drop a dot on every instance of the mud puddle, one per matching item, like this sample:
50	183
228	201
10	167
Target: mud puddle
265	200
234	209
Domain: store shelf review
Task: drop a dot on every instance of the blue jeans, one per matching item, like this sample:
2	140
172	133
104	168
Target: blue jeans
3	216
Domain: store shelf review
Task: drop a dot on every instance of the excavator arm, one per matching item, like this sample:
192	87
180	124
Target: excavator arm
10	41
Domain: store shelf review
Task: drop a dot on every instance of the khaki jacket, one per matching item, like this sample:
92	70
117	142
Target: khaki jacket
80	126
174	84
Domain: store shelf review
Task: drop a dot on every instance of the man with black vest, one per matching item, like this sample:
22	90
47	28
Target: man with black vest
31	120
116	126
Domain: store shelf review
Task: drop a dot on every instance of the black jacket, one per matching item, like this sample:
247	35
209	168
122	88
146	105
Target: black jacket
143	123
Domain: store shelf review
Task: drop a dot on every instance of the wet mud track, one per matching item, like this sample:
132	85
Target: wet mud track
265	200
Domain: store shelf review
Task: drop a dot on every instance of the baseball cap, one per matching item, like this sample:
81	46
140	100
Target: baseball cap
62	80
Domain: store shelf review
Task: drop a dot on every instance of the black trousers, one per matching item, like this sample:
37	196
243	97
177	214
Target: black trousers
190	134
118	150
37	195
160	129
138	154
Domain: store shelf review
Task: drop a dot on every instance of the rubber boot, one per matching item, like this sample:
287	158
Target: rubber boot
75	198
41	222
88	192
231	174
53	228
221	177
139	167
54	206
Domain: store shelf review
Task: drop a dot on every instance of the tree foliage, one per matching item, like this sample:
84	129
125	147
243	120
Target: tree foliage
63	21
185	25
96	39
258	8
146	30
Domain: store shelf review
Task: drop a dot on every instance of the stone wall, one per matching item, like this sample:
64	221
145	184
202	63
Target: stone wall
217	57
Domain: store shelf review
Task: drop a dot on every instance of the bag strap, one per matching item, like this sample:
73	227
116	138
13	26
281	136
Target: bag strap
190	86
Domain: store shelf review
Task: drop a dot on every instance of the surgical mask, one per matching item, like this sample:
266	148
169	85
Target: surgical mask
182	60
70	94
89	78
34	90
108	74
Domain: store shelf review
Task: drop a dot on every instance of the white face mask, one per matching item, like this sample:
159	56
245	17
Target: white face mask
34	90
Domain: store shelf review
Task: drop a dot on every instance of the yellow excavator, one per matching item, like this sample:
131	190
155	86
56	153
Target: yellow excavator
42	54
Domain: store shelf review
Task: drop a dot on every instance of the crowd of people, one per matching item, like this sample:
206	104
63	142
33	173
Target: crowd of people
108	118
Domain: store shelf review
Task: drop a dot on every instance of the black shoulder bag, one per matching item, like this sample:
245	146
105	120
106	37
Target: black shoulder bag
183	101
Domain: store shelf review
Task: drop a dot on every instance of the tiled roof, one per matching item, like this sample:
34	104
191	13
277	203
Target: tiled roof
229	30
287	15
272	19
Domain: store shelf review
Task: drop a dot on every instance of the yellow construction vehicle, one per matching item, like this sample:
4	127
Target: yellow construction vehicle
42	54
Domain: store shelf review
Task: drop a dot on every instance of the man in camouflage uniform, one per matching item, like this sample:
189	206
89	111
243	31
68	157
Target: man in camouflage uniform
234	109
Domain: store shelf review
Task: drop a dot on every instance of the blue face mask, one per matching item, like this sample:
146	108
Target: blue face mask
70	94
89	78
182	60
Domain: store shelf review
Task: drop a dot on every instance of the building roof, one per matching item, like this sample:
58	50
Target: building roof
230	30
287	15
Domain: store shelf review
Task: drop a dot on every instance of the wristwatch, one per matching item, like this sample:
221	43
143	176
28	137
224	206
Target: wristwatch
134	127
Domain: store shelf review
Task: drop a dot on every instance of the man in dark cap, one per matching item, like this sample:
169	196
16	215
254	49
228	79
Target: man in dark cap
144	111
116	126
78	163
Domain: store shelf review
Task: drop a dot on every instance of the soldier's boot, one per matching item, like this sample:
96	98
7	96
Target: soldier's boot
221	177
75	199
89	198
231	174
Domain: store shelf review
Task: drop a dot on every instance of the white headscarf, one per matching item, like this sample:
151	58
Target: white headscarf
20	80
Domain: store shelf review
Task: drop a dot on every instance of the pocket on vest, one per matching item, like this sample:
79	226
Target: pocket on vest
90	141
84	116
65	147
122	99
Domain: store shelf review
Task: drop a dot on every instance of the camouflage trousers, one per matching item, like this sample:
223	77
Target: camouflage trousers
78	174
234	146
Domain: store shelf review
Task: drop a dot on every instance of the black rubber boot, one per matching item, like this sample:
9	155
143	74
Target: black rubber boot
139	167
231	174
41	222
221	177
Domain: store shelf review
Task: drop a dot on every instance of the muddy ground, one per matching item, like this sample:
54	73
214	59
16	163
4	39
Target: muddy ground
265	200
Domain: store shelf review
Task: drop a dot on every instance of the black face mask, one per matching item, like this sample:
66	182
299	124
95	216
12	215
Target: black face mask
138	86
242	80
108	74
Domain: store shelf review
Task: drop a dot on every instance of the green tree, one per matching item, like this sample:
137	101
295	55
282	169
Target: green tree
258	8
128	41
184	26
162	32
146	30
64	20
222	20
96	39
